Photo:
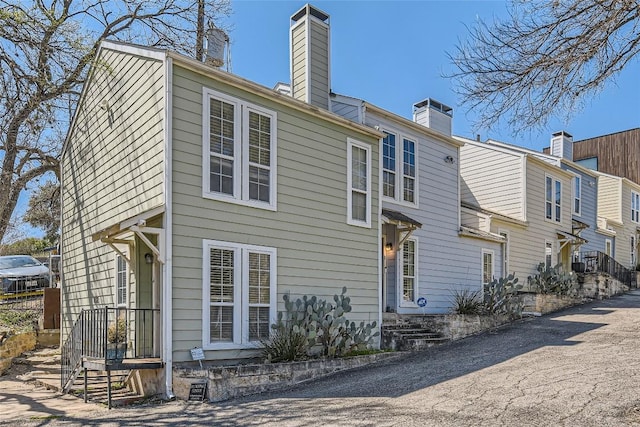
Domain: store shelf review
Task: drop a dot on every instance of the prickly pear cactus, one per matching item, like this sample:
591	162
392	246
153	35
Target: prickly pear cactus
323	327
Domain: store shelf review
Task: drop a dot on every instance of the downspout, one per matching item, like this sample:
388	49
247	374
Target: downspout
381	267
167	269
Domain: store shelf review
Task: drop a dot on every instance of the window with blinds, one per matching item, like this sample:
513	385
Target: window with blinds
240	151
241	288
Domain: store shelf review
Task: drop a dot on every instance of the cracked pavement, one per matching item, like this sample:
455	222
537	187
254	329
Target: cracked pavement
577	367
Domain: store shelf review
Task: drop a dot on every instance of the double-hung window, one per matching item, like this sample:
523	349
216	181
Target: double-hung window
239	151
239	294
409	271
408	170
121	281
487	266
358	183
399	170
577	195
553	199
635	206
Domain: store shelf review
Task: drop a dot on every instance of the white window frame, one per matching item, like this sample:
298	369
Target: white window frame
555	218
351	143
493	265
241	152
119	257
401	276
608	247
577	195
240	293
633	240
635	207
398	197
506	249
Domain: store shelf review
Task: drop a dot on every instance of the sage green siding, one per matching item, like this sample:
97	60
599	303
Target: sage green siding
319	64
112	169
299	62
318	253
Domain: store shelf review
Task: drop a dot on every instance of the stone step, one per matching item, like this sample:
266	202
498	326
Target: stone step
415	344
411	331
410	337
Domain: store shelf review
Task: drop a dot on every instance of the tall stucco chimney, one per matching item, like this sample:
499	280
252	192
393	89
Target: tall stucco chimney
309	46
434	115
562	145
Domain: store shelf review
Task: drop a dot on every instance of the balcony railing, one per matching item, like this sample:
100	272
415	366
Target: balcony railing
599	262
110	335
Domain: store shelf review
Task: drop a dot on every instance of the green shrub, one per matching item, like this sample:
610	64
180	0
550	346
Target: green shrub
552	280
19	320
467	302
284	345
501	297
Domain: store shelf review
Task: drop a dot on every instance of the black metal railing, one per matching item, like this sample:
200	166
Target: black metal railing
599	262
111	335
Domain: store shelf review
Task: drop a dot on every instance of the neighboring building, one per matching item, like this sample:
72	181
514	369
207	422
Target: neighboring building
614	154
525	199
425	258
619	211
206	197
428	256
584	192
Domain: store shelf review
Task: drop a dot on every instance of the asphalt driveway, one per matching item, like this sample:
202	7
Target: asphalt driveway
578	367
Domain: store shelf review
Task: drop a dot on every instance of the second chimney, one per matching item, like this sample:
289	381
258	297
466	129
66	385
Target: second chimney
309	44
562	145
434	115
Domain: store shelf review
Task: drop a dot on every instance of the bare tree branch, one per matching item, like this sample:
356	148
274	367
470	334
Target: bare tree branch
544	59
46	47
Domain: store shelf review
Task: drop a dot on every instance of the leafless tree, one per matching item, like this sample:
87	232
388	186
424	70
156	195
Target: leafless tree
45	51
544	60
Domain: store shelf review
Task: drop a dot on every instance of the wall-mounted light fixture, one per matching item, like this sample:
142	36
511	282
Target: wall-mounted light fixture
449	159
388	247
148	258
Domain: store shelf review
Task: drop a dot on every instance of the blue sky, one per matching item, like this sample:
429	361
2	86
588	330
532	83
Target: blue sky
393	53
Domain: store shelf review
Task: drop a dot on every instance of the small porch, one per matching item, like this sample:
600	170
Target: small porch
598	262
110	339
398	282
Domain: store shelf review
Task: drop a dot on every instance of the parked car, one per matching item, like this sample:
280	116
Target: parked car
20	273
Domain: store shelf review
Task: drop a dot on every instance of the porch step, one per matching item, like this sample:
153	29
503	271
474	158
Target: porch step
409	337
97	388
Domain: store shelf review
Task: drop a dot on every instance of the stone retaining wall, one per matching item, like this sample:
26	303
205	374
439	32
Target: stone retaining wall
452	326
548	303
226	382
14	346
598	286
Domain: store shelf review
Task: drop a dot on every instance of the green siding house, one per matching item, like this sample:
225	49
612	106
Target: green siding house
193	200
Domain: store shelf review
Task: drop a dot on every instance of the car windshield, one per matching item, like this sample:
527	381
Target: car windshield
17	261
